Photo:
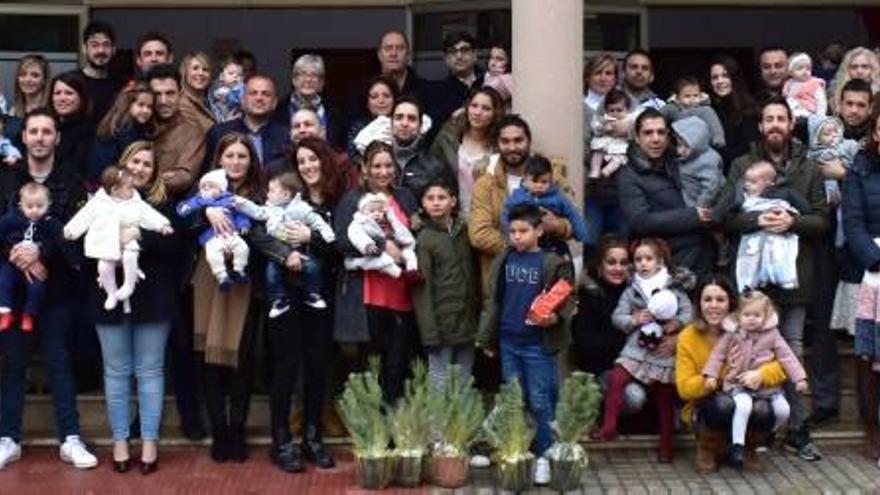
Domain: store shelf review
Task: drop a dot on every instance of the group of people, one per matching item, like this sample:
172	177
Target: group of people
418	222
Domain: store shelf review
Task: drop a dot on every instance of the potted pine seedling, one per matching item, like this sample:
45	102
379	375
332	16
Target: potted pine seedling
510	431
576	410
458	413
410	423
363	413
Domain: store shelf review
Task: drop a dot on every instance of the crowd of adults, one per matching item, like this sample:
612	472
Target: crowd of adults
160	127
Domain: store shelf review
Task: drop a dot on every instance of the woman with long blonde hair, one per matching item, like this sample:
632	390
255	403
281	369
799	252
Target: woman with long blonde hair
31	84
858	63
195	78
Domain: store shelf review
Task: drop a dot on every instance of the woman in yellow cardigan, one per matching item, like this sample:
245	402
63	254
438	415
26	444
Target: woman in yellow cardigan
709	410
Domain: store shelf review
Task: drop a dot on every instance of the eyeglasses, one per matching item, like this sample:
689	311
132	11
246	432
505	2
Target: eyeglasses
462	50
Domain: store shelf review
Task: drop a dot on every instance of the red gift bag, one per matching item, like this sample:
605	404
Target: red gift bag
549	301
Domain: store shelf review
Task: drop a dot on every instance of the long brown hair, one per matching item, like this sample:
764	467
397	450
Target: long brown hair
373	149
119	115
332	184
156	193
497	111
19	104
872	146
254	185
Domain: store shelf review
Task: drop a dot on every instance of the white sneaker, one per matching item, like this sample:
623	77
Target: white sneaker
9	451
480	461
74	451
542	471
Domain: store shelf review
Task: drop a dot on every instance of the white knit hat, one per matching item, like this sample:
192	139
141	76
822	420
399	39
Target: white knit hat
797	59
372	198
217	176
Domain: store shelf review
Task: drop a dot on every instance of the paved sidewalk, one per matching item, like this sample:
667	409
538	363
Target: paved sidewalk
190	471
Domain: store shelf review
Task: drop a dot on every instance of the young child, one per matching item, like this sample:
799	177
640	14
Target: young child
213	192
765	257
608	148
690	101
111	221
826	144
283	205
804	93
498	76
447	303
372	225
651	368
528	352
699	166
752	330
8	152
225	94
537	189
130	119
30	223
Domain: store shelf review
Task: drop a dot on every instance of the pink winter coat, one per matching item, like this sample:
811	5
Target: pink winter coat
757	348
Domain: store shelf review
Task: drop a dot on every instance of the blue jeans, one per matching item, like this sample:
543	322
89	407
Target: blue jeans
537	374
312	281
11	279
136	349
603	217
53	329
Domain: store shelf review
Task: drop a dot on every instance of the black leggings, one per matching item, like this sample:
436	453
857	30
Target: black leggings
235	383
393	338
301	337
716	413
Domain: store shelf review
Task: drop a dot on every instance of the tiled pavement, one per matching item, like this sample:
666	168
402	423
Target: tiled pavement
190	471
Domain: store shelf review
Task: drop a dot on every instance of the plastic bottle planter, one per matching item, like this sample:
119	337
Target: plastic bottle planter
515	475
408	471
568	461
449	471
374	473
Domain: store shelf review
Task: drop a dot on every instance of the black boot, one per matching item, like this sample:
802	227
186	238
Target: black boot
220	443
737	456
192	429
313	448
285	453
237	445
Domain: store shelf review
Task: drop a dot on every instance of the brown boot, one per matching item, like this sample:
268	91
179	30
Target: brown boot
710	445
754	439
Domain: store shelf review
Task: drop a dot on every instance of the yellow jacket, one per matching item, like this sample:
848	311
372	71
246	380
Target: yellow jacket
691	354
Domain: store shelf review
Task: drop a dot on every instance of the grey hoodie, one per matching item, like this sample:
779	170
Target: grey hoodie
846	149
704	111
700	171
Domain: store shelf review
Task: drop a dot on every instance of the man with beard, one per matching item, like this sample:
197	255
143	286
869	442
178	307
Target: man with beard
98	42
269	137
448	95
854	108
638	74
179	143
492	189
650	196
804	177
417	167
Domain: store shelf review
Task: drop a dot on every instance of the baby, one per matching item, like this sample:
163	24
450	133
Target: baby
213	192
690	101
498	76
284	205
827	144
8	152
700	167
373	224
804	93
226	92
752	330
30	223
111	221
538	189
766	257
608	147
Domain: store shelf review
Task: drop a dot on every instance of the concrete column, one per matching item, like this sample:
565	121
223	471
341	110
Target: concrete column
548	40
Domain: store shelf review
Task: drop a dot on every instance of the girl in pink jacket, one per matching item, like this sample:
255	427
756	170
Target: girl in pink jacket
751	340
